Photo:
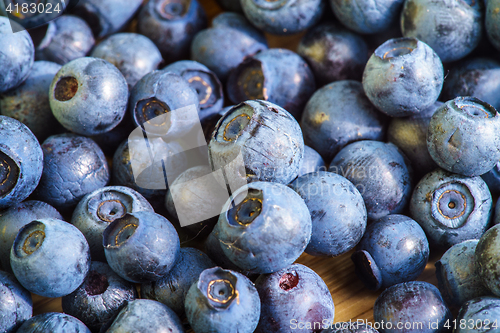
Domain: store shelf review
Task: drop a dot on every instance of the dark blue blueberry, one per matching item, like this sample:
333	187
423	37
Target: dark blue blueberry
146	316
172	25
435	23
492	179
278	76
171	289
458	276
106	17
478	77
133	54
334	53
393	249
350	327
462	136
29	103
204	82
479	315
73	166
451	208
231	5
416	304
89	96
403	77
312	162
487	258
53	322
141	246
66	38
264	136
339	114
221	301
99	297
223	47
492	22
283	17
161	93
21	162
410	135
292	296
17	54
50	257
338	212
16	217
16	305
264	227
367	17
380	173
195	198
101	207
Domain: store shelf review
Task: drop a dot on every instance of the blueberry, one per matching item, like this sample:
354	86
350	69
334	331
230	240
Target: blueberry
50	257
133	54
312	162
231	5
451	208
196	197
53	322
435	23
293	295
338	212
172	25
416	304
268	138
204	82
279	76
339	114
146	316
99	208
479	315
158	93
334	53
171	289
141	246
487	259
394	249
17	216
380	173
222	47
106	17
222	301
101	294
496	217
16	305
29	103
17	56
462	136
64	39
367	17
283	17
403	77
492	179
478	77
21	162
458	276
264	227
492	22
89	96
409	134
350	327
73	166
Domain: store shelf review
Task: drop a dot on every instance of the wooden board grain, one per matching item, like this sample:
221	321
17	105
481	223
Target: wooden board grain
352	300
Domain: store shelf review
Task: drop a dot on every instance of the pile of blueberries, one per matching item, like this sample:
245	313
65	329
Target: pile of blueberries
379	136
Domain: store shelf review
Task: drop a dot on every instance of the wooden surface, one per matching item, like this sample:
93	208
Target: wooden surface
352	300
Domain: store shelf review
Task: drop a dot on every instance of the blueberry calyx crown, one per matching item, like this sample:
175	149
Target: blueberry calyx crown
270	4
205	84
9	174
111	210
29	239
247	210
250	81
452	204
66	88
120	231
148	109
474	107
234	123
397	47
96	283
288	281
219	287
173	9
